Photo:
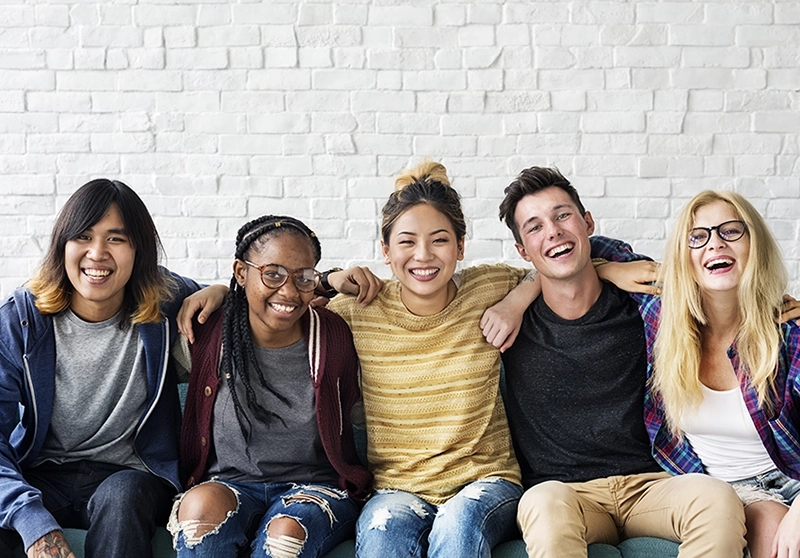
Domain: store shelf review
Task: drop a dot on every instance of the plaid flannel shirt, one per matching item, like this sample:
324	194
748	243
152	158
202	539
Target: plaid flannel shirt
778	429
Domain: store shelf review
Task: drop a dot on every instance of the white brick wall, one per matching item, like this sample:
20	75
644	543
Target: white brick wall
217	112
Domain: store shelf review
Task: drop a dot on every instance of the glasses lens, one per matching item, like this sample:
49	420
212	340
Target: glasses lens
731	230
274	276
306	279
697	238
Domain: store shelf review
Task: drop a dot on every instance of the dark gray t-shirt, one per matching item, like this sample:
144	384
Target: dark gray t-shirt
275	452
100	392
576	388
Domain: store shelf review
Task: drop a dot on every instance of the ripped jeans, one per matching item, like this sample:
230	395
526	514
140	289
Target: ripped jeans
327	515
399	524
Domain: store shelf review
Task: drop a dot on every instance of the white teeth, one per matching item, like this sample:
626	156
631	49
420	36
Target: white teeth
558	250
424	272
97	273
282	307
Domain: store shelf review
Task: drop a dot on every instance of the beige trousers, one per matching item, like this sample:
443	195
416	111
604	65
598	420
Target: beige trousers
702	513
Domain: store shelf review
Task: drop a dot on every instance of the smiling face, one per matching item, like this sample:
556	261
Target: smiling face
719	265
275	313
555	236
99	263
423	252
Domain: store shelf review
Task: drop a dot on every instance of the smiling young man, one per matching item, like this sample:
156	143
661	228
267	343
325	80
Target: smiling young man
88	406
576	387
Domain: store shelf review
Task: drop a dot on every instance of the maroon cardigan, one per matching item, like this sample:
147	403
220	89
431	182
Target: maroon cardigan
334	373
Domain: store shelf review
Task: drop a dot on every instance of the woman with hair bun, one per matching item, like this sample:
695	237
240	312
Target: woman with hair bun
267	440
439	445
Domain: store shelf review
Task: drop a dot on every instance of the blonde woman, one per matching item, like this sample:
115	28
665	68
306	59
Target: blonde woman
725	380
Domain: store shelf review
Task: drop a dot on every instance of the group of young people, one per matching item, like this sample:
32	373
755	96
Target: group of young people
667	412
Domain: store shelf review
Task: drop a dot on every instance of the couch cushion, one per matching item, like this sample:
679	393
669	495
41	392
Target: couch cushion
642	547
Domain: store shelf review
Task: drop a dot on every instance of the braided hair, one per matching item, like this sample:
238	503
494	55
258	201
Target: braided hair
238	354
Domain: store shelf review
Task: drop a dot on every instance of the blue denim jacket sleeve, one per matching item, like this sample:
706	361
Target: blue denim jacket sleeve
23	333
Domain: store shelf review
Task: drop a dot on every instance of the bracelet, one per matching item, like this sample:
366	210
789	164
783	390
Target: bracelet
329	292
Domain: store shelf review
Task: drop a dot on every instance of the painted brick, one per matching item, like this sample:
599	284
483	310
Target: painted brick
740	13
541	12
702	35
159	14
232	35
213	15
613	122
669	12
767	35
345	80
416	37
787	13
396	16
776	122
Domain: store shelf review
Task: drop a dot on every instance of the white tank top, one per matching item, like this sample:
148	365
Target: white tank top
724	437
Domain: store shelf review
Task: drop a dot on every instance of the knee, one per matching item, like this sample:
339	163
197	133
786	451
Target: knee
708	493
285	537
550	503
202	510
400	510
394	524
135	492
711	501
547	497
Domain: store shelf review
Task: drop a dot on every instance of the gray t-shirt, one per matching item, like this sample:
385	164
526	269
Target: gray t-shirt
100	393
276	452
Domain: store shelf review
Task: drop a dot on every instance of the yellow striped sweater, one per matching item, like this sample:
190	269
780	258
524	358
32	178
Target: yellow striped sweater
434	413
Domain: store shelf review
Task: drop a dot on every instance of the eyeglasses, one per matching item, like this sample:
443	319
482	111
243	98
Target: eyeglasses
729	231
274	276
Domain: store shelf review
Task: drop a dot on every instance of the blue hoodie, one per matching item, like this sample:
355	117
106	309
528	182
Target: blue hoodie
27	384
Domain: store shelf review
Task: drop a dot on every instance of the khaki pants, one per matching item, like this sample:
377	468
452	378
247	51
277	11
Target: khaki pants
702	513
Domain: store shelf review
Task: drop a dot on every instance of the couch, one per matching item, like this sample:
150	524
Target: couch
640	547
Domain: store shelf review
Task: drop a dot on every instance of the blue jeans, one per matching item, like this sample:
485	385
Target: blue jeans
772	485
399	524
119	507
326	514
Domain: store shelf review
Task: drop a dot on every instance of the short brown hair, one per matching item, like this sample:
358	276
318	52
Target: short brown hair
532	181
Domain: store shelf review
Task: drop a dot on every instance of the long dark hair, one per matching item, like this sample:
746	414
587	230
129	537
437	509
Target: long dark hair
238	355
147	287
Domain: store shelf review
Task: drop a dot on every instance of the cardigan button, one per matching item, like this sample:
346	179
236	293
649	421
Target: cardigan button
203	441
190	482
207	391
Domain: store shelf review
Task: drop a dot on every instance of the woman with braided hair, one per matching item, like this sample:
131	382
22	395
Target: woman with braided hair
266	428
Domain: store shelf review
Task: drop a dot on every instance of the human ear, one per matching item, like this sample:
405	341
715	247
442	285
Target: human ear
240	272
589	223
385	250
522	252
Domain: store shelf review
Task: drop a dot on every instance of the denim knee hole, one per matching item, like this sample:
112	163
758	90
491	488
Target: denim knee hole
284	546
190	527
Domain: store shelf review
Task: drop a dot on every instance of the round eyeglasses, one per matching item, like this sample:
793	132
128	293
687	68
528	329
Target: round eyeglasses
274	276
729	231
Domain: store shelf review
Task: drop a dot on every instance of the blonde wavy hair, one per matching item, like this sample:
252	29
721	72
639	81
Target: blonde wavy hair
677	348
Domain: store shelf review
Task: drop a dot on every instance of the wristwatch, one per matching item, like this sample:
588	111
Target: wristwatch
329	292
